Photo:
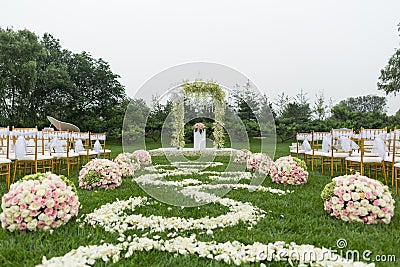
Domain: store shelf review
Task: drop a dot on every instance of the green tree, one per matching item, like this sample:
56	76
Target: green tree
364	104
389	80
19	55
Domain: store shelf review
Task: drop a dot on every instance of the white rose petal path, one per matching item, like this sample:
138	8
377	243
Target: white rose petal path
120	217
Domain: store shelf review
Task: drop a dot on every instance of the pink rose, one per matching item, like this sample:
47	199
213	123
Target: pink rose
33	213
22	226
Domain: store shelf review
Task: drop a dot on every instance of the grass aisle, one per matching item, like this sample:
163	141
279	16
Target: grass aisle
297	217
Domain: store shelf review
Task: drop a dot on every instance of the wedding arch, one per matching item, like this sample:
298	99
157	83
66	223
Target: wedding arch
199	89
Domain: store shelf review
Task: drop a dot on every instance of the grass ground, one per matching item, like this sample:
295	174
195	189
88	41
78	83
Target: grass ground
297	217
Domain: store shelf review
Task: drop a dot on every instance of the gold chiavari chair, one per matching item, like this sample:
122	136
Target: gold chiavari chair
298	149
341	146
393	156
82	146
98	144
28	159
61	148
5	162
319	146
371	156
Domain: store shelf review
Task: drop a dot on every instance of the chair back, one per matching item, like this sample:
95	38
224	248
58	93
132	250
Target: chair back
4	142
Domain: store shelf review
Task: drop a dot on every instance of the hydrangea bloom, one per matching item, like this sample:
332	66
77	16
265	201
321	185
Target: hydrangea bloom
357	198
102	173
39	202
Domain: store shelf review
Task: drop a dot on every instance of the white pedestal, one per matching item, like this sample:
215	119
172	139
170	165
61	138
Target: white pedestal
200	140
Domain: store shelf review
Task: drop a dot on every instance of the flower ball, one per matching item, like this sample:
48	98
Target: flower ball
254	160
127	163
41	201
289	171
102	173
241	156
357	198
143	156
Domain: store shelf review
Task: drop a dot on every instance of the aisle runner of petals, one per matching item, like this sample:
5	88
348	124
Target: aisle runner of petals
229	252
118	217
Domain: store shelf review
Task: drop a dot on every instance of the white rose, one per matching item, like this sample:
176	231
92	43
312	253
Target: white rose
363	211
12	209
40	192
28	219
32	225
355	196
357	204
382	203
375	209
364	203
12	227
50	203
346	197
335	200
28	199
25	213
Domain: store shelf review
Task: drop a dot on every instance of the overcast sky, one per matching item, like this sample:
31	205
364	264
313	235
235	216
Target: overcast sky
338	47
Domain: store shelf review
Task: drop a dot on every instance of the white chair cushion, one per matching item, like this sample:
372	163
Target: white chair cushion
90	153
316	153
109	151
32	158
397	165
4	161
390	158
64	155
365	159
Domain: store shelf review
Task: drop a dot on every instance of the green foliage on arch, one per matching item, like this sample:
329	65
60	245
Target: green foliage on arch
200	89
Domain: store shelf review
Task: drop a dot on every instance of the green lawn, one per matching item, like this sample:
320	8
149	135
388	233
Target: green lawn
297	217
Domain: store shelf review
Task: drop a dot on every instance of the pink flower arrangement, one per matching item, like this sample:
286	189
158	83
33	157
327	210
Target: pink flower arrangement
143	156
127	163
254	160
289	171
199	127
41	201
101	173
242	156
357	198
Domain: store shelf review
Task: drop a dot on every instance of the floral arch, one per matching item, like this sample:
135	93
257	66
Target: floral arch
199	89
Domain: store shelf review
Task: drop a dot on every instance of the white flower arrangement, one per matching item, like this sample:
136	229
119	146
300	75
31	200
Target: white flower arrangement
41	201
102	173
357	198
289	171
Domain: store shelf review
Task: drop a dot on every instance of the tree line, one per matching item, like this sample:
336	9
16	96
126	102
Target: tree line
39	78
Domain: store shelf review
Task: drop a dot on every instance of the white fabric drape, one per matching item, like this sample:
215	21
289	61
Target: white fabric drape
20	147
306	145
97	146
